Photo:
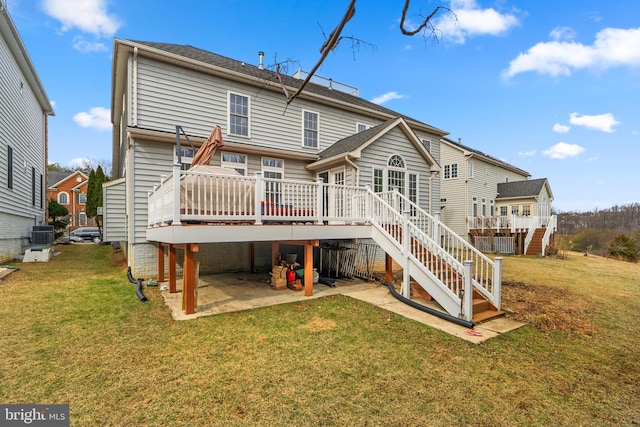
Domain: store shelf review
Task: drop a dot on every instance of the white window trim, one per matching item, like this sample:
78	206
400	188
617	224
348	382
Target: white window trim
66	194
248	135
450	166
366	126
233	165
279	170
317	131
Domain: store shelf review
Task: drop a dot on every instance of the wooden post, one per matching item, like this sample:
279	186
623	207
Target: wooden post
189	302
308	269
275	248
252	255
160	262
388	268
171	260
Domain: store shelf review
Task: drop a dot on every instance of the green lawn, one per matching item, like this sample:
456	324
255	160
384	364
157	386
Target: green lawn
74	332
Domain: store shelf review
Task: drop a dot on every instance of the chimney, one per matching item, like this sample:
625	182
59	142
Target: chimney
261	55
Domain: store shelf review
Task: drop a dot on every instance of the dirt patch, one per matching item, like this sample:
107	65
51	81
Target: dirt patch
548	309
318	324
118	260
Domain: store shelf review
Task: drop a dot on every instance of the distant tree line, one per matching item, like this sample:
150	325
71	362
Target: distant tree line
613	232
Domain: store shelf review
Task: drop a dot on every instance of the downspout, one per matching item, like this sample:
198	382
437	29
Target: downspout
357	169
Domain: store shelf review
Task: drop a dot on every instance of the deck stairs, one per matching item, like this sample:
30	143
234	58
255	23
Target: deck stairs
535	247
442	263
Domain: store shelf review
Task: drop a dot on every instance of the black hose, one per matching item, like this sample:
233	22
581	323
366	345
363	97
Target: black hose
441	315
138	284
139	293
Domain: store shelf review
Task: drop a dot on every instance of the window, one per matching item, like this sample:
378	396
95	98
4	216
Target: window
451	171
82	218
503	211
272	168
310	129
475	207
41	191
361	126
238	114
33	186
413	188
492	208
185	157
514	210
484	207
235	161
10	167
63	198
427	144
470	168
378	181
82	198
395	177
526	210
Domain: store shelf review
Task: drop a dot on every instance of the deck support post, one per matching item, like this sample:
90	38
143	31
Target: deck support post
275	250
308	268
171	260
467	298
388	268
176	194
189	302
160	262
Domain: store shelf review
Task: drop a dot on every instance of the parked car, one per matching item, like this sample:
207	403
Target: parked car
85	234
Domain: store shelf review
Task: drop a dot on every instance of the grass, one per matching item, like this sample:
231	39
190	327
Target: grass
75	333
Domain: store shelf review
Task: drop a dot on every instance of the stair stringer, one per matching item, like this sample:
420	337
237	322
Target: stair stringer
426	279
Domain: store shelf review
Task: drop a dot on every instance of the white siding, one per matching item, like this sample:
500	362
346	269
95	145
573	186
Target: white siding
23	128
115	215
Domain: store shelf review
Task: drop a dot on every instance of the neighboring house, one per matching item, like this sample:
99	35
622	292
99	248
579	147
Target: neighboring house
484	197
329	167
70	190
24	110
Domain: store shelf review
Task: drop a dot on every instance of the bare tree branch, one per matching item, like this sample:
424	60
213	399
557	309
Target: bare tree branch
330	44
426	22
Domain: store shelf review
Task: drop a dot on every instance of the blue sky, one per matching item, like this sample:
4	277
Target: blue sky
550	87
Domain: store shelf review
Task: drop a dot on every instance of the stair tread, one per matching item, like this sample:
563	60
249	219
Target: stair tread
486	315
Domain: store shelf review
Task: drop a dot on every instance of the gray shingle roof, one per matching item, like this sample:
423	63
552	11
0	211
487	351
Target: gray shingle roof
54	177
265	74
353	142
528	188
494	159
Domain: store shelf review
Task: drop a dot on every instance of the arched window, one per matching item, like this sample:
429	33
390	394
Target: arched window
396	173
63	198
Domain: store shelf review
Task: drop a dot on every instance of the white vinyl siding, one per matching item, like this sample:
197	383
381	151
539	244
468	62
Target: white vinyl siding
115	216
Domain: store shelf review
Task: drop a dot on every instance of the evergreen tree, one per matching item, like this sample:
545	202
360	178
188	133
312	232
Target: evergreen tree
94	194
59	217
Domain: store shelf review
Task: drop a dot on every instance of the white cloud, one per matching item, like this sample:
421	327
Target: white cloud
603	122
97	118
84	46
562	150
562	33
473	21
80	163
387	97
529	153
561	128
612	47
89	16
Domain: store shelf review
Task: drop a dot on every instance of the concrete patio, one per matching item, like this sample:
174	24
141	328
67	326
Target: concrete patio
224	293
